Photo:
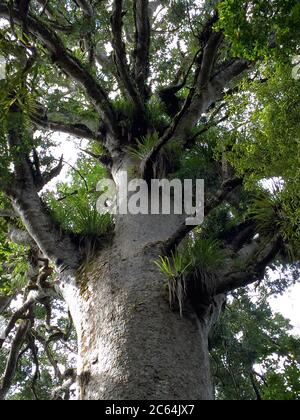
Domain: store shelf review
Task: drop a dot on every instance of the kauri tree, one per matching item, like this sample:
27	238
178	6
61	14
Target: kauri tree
159	89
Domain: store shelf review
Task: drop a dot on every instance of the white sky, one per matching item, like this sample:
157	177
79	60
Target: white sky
289	306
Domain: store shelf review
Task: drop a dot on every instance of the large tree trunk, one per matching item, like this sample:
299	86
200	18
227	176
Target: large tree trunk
131	344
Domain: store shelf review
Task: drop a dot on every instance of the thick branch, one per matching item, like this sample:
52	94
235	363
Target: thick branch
212	92
121	59
26	202
221	195
50	357
62	391
226	188
5	301
255	265
168	94
53	243
86	7
47	177
77	130
142	44
16	316
208	60
47	9
70	64
13	358
236	237
201	97
190	142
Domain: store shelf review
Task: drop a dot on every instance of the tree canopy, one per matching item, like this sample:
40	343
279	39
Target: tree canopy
166	88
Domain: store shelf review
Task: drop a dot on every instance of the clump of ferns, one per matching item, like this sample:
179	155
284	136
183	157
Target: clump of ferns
168	159
125	111
198	261
143	146
15	92
276	215
206	255
174	269
156	115
92	228
78	215
206	252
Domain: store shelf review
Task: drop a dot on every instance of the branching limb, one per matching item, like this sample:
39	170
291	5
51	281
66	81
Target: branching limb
70	64
190	142
46	177
258	257
208	60
41	179
142	44
49	354
23	9
63	391
32	298
77	130
255	386
104	159
5	301
88	12
227	187
197	103
168	94
221	195
236	237
26	202
50	12
13	358
121	59
86	7
34	352
108	65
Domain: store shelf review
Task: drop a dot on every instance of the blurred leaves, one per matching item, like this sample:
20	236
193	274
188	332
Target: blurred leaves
251	340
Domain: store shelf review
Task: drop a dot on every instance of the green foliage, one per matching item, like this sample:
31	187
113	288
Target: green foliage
14	264
252	343
197	252
144	146
199	163
261	27
284	385
125	109
14	90
263	147
199	257
78	214
74	205
205	252
265	122
276	215
156	115
174	269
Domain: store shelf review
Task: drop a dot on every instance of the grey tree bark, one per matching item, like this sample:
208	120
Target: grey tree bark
131	344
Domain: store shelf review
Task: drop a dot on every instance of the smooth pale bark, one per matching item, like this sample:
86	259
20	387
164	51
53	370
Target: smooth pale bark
131	344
